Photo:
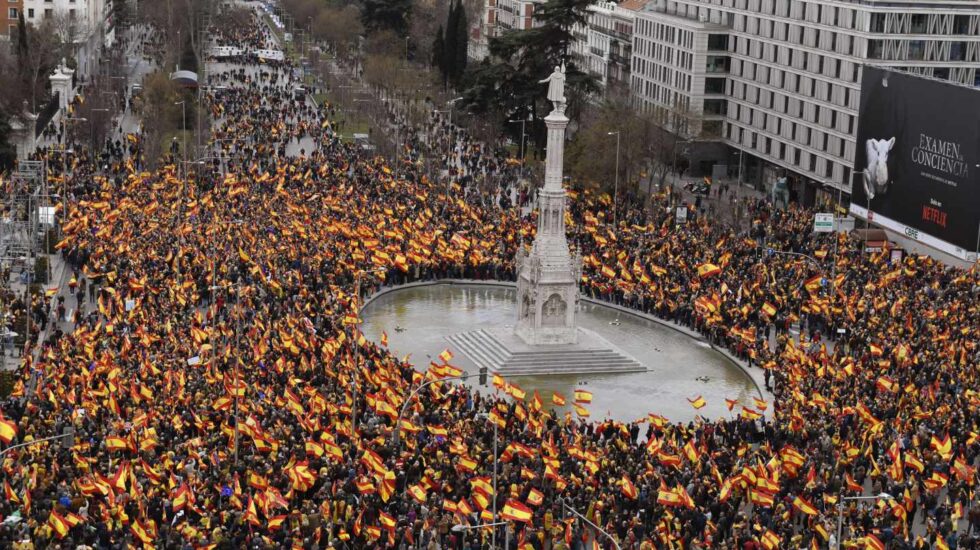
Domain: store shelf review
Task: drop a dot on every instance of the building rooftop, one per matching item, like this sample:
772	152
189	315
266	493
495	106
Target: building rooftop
633	5
686	22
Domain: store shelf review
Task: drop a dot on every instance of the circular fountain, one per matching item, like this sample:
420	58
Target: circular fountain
422	319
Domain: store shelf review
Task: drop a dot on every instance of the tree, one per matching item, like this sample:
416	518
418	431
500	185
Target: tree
439	49
37	58
120	13
340	27
449	44
461	46
387	14
509	78
8	153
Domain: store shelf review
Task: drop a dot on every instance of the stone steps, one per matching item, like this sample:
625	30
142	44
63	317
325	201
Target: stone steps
485	350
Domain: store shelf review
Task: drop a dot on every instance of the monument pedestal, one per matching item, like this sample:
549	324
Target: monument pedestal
501	351
545	339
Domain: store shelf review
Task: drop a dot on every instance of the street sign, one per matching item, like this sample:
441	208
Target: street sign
823	222
681	214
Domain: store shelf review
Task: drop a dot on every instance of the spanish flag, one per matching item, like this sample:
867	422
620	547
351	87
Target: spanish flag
629	489
582	396
535	498
770	540
708	270
872	542
58	524
515	511
558	399
814	283
875	350
804	506
769	309
698	402
387	521
942	446
446	355
8	430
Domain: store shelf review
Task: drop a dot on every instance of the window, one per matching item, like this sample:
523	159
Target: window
48	13
30	13
12	13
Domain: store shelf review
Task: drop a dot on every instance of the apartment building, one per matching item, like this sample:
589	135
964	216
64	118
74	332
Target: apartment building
8	18
779	81
86	23
603	45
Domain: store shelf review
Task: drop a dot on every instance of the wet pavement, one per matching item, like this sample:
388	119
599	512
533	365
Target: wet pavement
418	320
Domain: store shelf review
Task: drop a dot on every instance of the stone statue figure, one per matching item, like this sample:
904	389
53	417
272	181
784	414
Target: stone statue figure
556	86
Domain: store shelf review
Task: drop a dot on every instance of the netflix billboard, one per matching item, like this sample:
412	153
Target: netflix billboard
918	159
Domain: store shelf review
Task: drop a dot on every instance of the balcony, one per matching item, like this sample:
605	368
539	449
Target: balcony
619	58
506	7
613	33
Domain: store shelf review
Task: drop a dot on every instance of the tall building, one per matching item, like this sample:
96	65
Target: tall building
603	46
779	81
85	23
498	17
8	18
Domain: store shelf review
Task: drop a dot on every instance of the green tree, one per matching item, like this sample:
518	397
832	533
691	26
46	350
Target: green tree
449	45
8	154
386	14
462	42
120	13
508	80
438	49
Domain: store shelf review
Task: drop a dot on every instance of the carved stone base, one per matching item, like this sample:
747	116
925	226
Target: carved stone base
504	352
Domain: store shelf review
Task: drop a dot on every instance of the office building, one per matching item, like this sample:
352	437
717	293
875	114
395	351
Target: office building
779	81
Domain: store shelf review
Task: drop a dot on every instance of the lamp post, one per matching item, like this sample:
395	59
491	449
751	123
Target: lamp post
523	123
183	126
64	134
357	349
452	103
573	511
238	323
616	188
840	510
69	432
460	528
91	129
401	414
493	535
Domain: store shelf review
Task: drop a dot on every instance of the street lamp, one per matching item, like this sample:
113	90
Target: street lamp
616	188
493	535
452	103
357	348
238	322
523	123
840	510
183	125
91	129
69	432
573	511
460	528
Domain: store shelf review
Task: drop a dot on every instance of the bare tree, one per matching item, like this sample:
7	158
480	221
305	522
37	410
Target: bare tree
43	50
339	27
159	114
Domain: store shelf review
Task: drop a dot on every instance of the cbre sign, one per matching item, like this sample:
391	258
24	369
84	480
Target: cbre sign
823	222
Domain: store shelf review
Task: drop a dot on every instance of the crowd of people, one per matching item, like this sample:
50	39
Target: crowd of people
219	394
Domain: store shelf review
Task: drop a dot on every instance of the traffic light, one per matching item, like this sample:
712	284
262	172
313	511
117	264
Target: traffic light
483	376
